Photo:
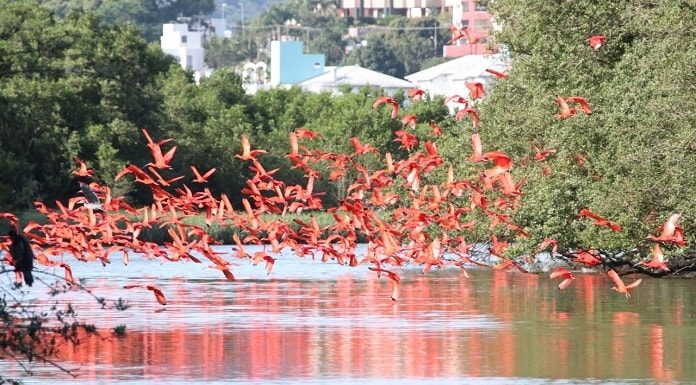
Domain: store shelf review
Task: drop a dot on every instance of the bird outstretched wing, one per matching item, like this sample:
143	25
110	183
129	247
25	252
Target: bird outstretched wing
92	198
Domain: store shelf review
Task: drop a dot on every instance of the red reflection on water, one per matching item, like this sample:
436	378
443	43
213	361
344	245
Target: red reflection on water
586	292
657	354
623	327
443	327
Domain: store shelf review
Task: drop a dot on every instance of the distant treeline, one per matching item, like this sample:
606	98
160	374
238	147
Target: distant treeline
77	87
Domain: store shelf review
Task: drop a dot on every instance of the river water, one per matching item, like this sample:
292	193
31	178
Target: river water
313	322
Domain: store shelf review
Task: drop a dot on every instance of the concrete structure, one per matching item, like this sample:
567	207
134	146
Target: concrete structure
356	77
290	65
255	77
380	8
186	45
465	13
219	27
474	16
448	78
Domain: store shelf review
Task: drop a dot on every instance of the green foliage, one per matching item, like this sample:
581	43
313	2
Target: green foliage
413	46
92	88
206	122
223	52
65	84
319	26
377	56
640	138
77	87
147	16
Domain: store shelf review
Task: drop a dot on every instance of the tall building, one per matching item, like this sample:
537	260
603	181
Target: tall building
473	15
184	44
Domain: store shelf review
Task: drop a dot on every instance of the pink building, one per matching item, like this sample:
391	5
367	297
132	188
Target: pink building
474	16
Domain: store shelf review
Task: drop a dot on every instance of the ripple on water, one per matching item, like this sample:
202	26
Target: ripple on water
315	323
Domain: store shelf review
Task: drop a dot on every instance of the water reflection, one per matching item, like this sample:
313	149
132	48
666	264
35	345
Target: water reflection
512	327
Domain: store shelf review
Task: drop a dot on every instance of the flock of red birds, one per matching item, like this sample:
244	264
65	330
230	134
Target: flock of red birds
403	219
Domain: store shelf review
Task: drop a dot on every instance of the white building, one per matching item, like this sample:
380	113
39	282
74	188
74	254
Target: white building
290	66
187	46
255	77
448	78
335	78
220	27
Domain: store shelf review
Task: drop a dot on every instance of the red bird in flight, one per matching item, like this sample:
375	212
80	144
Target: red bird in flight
497	74
596	41
584	105
388	100
566	112
598	220
567	276
475	89
458	33
416	93
619	284
671	232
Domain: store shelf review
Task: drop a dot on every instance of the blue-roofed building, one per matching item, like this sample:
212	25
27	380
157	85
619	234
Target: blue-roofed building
290	65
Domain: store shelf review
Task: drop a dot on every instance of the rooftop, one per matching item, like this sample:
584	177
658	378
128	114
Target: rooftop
462	67
355	76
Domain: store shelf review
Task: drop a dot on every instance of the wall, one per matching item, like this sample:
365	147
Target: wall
185	45
290	65
466	13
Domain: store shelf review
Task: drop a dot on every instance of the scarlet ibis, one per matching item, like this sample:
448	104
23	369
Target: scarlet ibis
202	178
247	153
671	232
584	105
161	161
566	111
388	100
475	89
596	41
598	220
619	285
567	276
658	260
457	33
82	170
410	120
154	289
497	74
416	94
543	154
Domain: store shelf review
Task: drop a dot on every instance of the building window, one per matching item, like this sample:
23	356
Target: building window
465	23
479	7
189	61
482	25
465	6
183	38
